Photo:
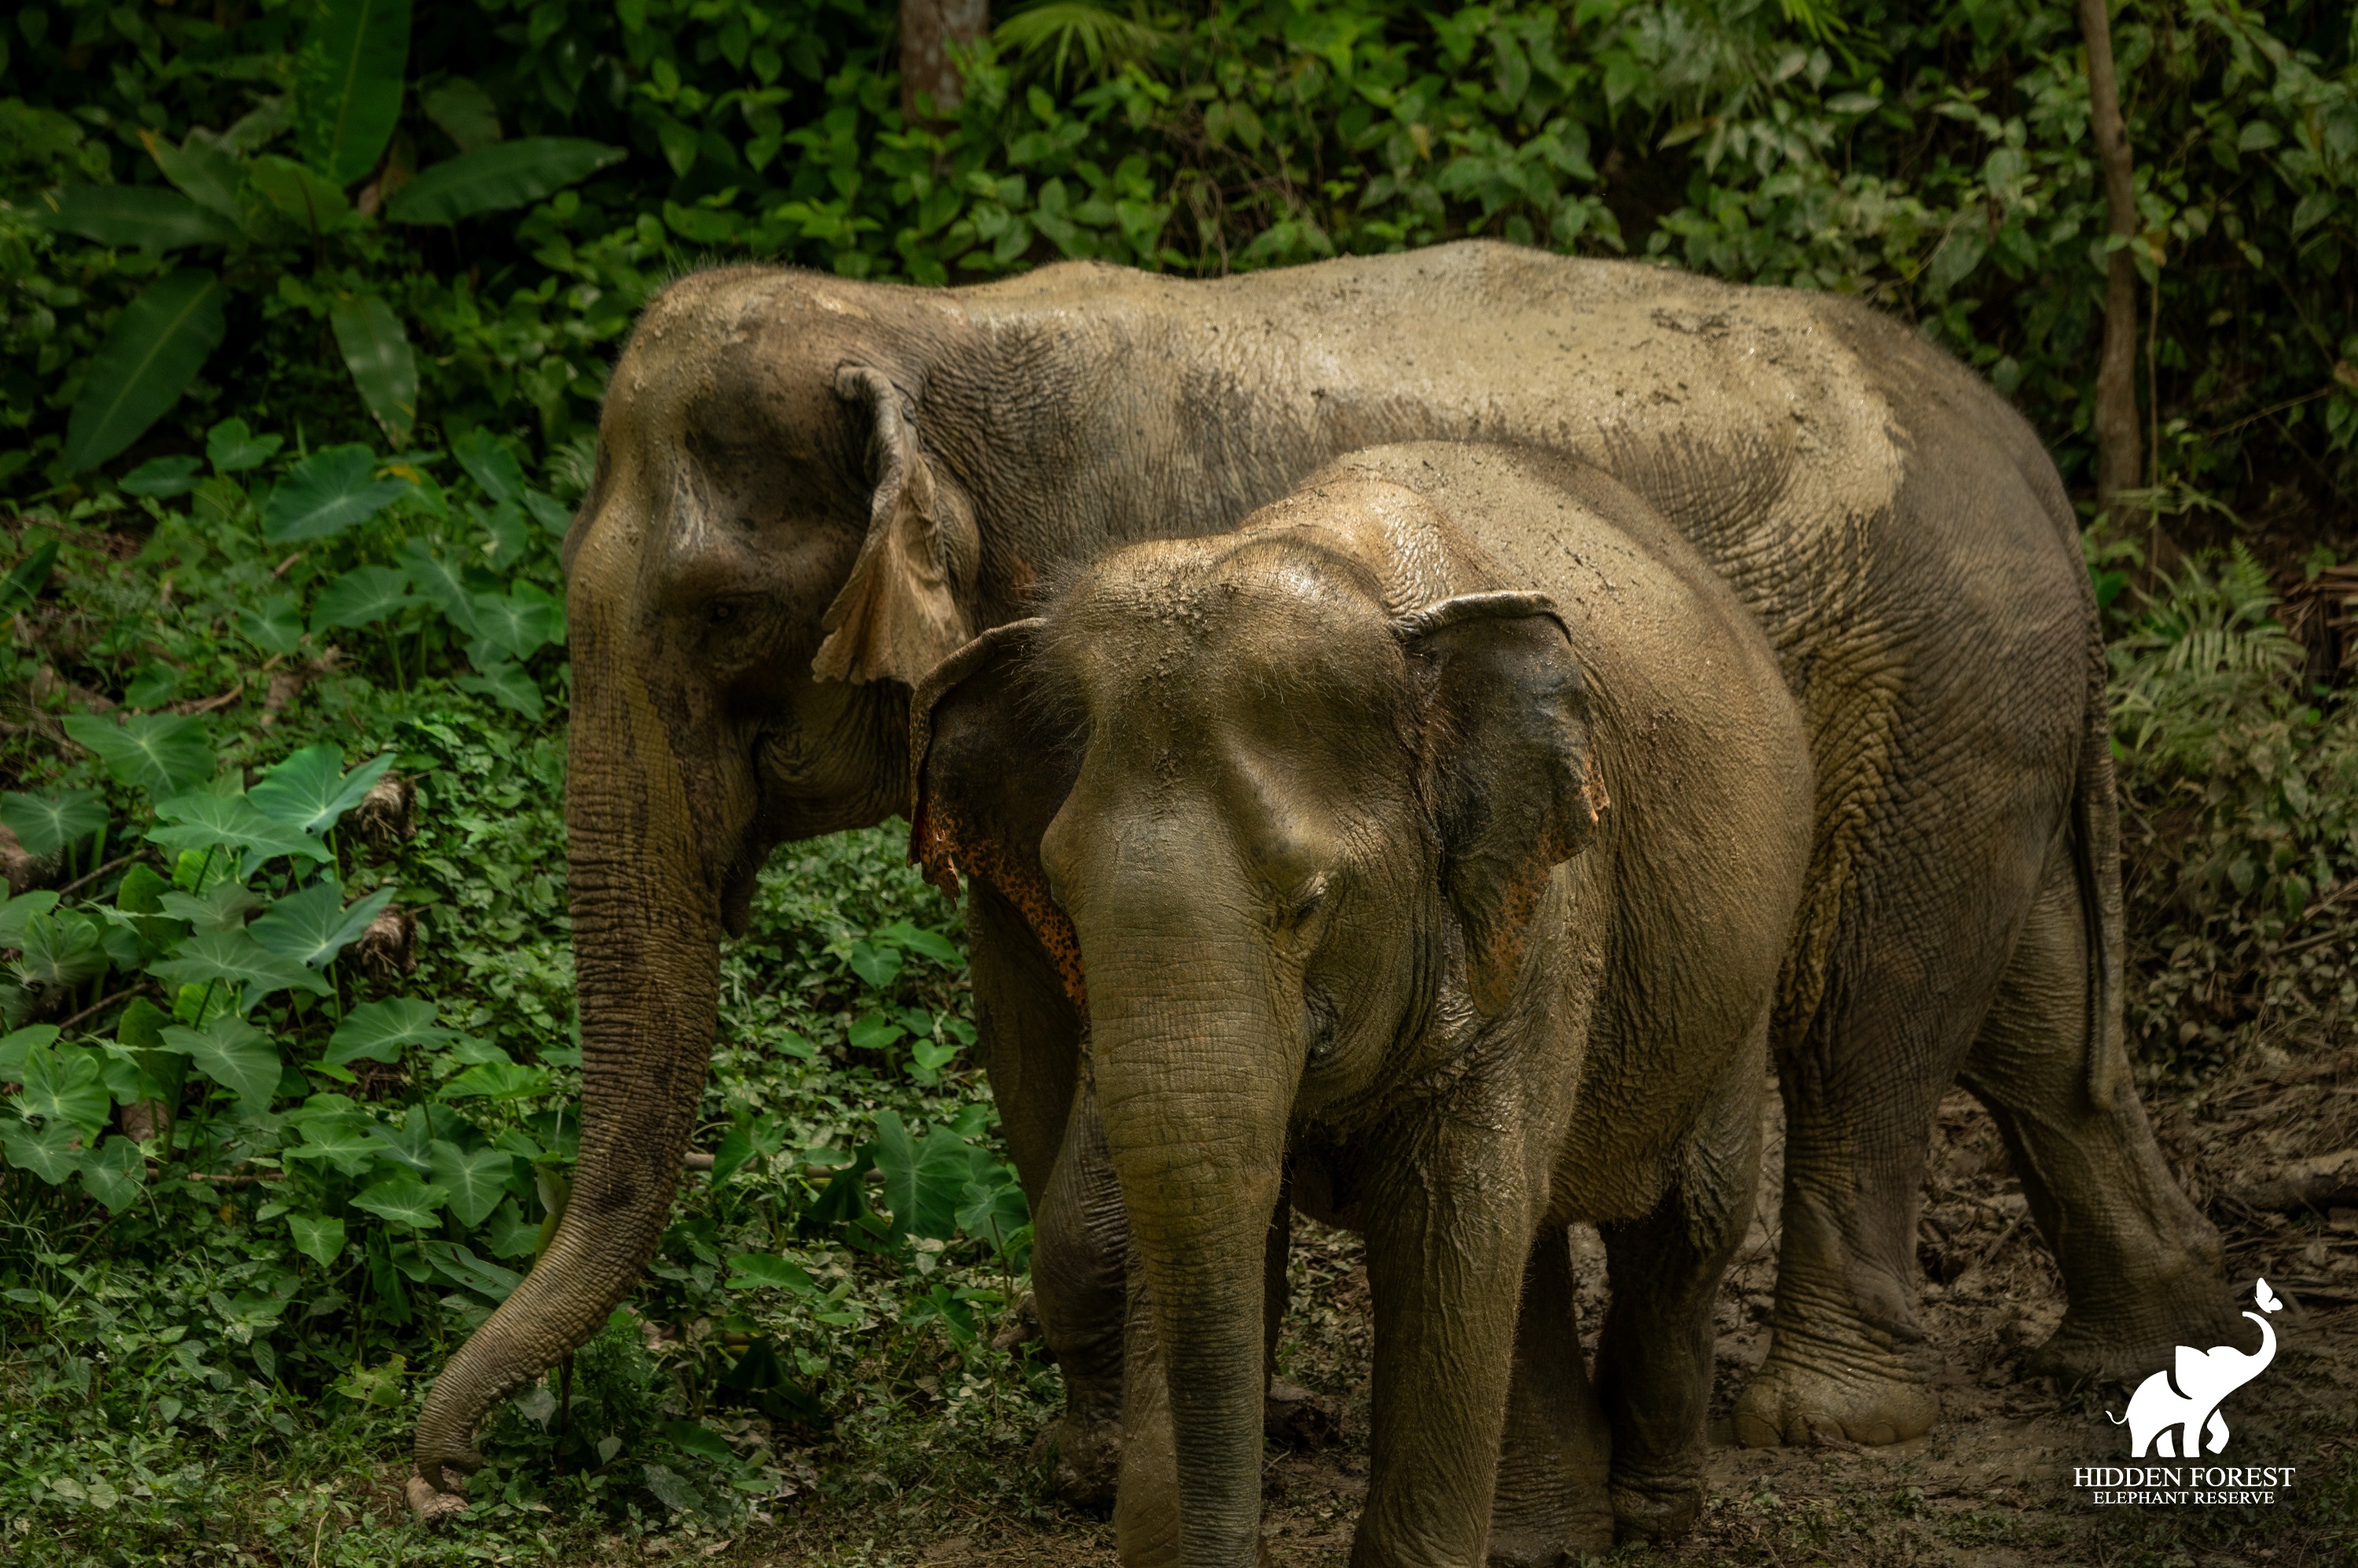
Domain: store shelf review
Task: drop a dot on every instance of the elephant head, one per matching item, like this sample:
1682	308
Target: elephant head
770	553
1296	836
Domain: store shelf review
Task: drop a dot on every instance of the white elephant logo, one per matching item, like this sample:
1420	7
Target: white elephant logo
2175	1414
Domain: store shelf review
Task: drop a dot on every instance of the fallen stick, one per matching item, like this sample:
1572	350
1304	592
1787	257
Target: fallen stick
2321	1183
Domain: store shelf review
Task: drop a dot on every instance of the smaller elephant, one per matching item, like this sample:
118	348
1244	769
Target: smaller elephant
1329	862
2174	1415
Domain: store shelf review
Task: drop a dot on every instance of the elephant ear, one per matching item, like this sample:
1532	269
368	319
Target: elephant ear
899	615
1507	767
986	779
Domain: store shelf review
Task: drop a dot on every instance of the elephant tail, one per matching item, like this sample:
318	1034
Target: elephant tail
2096	862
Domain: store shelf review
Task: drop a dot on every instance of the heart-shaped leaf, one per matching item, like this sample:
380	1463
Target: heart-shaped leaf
318	1237
440	583
64	1083
159	752
517	625
510	686
201	821
490	464
343	1141
113	1173
326	492
276	625
381	1030
475	1179
497	1080
361	597
59	951
924	1182
45	823
235	957
309	791
233	1054
51	1150
232	448
311	925
162	478
403	1199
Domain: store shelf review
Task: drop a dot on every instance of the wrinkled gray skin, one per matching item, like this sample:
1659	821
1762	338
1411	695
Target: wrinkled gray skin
811	491
1336	843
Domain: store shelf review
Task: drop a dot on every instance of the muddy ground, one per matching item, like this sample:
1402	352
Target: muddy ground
1990	1485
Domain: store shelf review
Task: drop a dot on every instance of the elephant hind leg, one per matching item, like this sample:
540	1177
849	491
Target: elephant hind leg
1550	1501
2140	1263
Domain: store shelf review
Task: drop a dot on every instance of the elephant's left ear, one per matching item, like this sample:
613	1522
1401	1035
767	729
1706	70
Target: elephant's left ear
988	774
899	615
1506	765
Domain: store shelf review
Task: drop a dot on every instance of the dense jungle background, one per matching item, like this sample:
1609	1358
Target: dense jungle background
308	306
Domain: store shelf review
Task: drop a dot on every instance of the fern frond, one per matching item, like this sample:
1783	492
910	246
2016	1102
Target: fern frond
1105	39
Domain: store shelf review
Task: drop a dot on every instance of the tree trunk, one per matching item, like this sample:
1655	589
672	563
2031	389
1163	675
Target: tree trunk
928	28
2119	465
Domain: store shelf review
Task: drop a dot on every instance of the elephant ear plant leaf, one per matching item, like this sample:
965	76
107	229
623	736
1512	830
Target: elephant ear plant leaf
159	752
47	823
235	958
381	1030
312	924
311	792
326	492
233	1054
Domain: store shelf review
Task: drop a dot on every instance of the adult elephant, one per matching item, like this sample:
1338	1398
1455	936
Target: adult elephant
808	491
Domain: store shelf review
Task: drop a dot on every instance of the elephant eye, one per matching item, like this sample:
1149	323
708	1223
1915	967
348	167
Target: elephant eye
720	613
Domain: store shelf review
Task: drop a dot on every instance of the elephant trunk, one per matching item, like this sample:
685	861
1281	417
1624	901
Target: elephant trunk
646	959
1195	1079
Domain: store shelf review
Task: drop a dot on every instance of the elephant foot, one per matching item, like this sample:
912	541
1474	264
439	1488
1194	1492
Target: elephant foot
1800	1405
1518	1544
1296	1418
1650	1509
437	1505
2127	1342
1083	1457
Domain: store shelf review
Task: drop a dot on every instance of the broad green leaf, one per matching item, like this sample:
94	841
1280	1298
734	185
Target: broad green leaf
497	1080
380	1031
17	913
232	448
700	1441
28	578
766	1272
465	112
993	1212
304	204
221	907
517	625
162	478
403	1199
15	1045
342	1140
510	534
151	353
377	351
145	217
509	174
917	939
113	1173
510	1233
204	172
309	791
159	752
233	1054
348	80
878	963
874	1032
510	686
52	1150
63	1083
327	492
235	957
276	625
439	583
200	821
60	950
311	925
361	597
671	1488
141	892
553	514
490	464
923	1182
460	1265
319	1236
45	824
475	1179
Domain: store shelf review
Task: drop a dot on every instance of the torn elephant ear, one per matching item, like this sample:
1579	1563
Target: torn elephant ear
1515	791
899	615
988	774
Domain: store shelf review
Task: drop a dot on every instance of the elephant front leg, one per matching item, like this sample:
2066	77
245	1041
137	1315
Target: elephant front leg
1447	1237
1551	1503
1654	1359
